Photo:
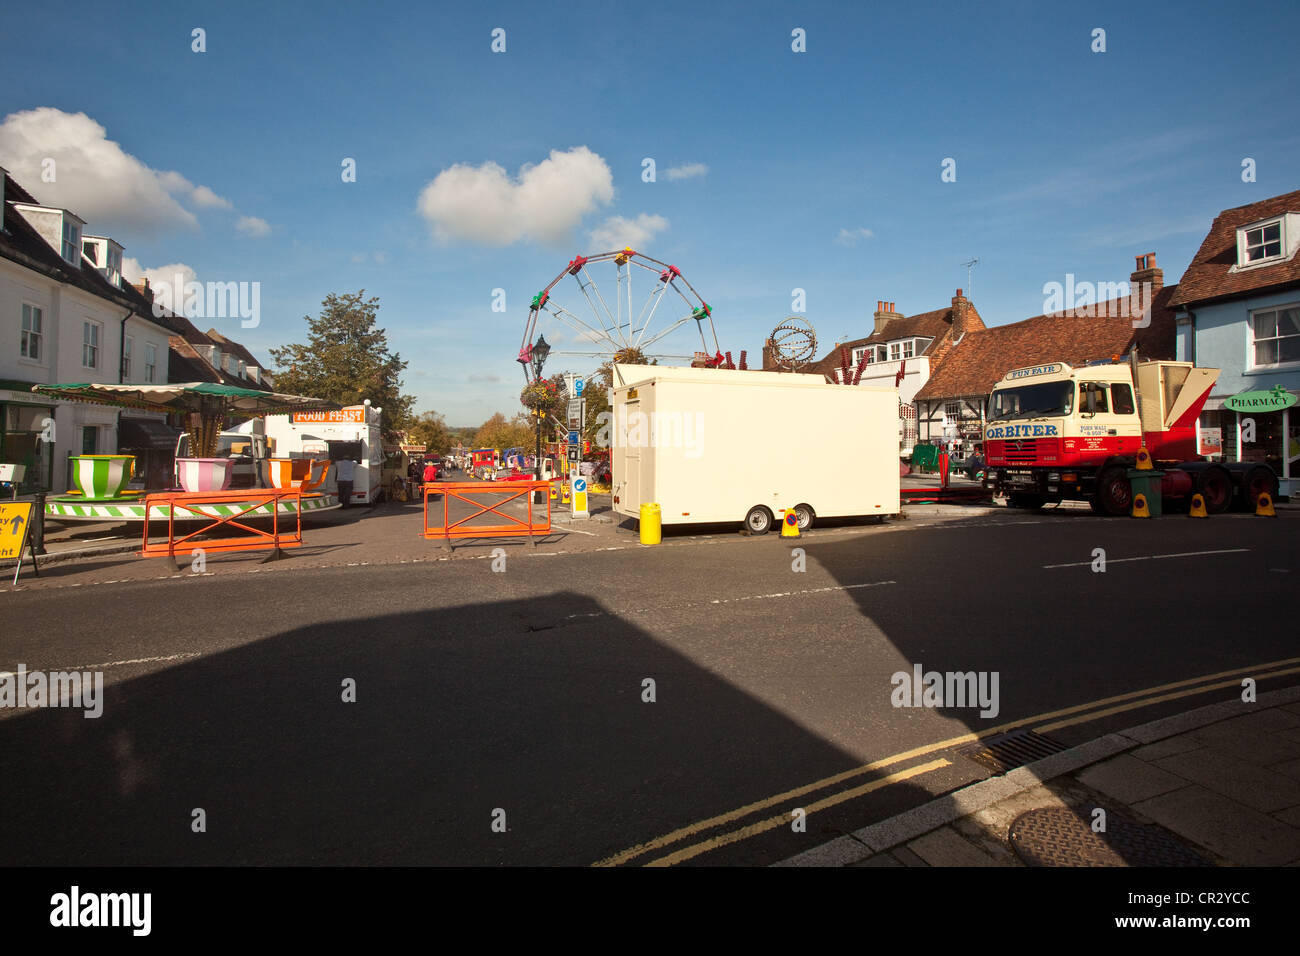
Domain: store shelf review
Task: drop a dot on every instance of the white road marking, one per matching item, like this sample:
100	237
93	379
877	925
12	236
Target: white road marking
1149	557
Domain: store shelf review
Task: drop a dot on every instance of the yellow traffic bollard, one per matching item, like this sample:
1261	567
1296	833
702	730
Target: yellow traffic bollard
790	524
1198	507
1264	506
651	524
1143	459
1140	509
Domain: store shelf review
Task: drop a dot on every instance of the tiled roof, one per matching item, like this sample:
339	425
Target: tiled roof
234	348
933	325
1208	277
984	356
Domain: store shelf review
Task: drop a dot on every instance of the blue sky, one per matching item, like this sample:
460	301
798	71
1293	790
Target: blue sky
1067	161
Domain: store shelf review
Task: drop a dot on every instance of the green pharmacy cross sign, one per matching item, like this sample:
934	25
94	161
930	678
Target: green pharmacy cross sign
1274	400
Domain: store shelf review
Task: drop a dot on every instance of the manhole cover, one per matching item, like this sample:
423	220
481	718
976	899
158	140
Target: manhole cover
1010	751
1056	836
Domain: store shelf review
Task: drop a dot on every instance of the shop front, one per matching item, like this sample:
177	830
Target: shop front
1255	426
27	438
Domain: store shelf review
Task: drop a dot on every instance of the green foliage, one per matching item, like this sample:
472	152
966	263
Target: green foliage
430	430
500	434
346	360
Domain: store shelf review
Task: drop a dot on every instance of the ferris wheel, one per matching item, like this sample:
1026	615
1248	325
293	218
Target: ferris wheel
619	320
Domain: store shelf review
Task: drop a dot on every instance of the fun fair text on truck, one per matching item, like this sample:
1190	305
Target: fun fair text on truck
1057	432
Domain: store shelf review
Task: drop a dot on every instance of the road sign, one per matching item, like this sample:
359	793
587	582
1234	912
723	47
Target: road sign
578	385
577	412
15	523
575	453
579	497
573	438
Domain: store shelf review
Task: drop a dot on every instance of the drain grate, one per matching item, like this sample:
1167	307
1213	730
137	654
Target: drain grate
1057	836
1009	751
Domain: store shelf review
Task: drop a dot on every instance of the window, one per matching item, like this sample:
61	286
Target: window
71	242
90	344
126	359
908	348
89	439
1122	397
1264	242
1276	336
1093	388
894	352
30	347
150	362
951	411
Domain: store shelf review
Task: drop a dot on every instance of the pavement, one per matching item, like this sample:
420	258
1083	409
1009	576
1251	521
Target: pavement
1214	786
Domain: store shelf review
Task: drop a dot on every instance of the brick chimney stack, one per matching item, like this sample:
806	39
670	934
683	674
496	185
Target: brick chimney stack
1147	278
144	290
885	312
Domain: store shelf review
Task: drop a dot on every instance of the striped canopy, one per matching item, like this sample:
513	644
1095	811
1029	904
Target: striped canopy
185	397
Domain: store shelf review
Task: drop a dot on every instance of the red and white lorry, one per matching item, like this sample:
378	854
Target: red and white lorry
1057	432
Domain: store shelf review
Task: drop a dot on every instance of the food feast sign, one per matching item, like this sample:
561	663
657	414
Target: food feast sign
355	414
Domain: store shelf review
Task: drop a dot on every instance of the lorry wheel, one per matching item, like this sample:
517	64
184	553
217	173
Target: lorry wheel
1114	495
759	520
804	515
1215	486
1259	480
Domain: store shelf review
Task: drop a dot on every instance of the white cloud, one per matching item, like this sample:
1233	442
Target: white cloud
687	171
93	175
617	232
850	237
168	282
253	226
543	203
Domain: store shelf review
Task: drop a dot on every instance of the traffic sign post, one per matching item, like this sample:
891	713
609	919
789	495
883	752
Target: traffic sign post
579	497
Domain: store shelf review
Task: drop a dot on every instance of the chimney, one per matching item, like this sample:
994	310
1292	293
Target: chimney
144	290
1146	279
885	313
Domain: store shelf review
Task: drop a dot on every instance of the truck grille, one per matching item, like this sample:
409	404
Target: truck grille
1025	451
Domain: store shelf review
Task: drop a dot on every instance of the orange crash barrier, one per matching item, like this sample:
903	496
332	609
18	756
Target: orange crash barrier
223	509
501	495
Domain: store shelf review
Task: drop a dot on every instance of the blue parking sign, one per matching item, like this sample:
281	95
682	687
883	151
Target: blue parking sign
573	438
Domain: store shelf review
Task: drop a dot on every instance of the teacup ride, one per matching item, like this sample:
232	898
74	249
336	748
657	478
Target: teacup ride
196	476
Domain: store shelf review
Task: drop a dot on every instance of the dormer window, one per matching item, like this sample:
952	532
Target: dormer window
1268	241
1264	242
909	348
71	250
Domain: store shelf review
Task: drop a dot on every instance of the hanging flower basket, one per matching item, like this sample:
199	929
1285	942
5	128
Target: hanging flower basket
542	395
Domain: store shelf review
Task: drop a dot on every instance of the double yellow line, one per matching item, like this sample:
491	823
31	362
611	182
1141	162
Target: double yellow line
1054	720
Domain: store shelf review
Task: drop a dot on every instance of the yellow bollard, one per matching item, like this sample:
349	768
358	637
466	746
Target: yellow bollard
790	524
1264	506
1140	509
651	524
1143	459
1198	507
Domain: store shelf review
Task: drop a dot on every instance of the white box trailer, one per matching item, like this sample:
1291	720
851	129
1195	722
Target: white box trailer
352	432
721	445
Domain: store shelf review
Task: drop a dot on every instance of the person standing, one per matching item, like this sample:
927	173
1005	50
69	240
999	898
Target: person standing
346	473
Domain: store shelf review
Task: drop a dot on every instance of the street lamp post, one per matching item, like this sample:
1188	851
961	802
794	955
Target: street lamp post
538	354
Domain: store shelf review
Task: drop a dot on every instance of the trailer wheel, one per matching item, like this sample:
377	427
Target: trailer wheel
759	520
805	516
1259	480
1215	486
1114	494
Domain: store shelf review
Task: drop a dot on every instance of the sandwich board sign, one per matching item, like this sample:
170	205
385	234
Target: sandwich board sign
15	529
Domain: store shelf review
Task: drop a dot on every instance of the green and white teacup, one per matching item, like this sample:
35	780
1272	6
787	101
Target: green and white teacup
102	476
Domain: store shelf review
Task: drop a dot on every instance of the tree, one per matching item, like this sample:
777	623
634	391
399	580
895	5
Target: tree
627	356
346	360
500	434
430	430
